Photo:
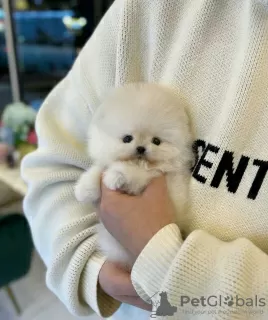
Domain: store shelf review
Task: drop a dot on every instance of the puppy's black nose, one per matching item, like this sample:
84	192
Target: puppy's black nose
141	150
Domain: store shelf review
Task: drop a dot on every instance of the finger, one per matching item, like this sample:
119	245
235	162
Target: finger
124	285
157	185
121	279
135	301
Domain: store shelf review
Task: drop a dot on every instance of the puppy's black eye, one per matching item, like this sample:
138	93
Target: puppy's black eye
127	139
156	141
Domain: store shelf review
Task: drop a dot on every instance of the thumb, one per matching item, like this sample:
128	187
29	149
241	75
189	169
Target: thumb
116	280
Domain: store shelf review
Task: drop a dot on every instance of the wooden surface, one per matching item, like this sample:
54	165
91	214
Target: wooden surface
12	178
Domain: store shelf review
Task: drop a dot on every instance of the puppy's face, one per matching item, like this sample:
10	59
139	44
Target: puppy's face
136	144
139	123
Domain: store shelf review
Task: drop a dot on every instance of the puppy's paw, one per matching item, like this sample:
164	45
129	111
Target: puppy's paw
81	193
85	194
114	179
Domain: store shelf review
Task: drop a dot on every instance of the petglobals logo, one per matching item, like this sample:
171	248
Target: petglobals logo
210	305
220	301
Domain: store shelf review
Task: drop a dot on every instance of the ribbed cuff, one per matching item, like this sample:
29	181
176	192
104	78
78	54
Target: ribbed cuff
104	305
152	265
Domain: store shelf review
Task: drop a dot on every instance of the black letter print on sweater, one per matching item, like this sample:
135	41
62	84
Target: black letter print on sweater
234	176
257	183
226	167
202	161
198	144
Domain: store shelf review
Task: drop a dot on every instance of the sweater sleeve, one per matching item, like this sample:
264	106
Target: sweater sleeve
64	231
204	266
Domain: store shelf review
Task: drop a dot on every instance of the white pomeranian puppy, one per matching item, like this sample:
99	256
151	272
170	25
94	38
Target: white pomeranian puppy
138	133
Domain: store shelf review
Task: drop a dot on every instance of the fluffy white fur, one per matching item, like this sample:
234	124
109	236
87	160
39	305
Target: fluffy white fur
143	111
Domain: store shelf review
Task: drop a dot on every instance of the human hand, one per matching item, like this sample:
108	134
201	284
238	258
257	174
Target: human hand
134	220
116	282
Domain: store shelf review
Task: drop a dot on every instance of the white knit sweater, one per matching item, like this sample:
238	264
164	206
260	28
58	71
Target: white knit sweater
216	53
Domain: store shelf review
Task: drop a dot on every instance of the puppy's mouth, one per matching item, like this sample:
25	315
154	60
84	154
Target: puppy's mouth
135	157
140	158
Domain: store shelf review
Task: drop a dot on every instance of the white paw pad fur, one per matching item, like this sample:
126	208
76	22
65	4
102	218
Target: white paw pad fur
84	194
114	180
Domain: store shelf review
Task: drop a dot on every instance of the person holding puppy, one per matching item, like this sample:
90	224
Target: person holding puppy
216	54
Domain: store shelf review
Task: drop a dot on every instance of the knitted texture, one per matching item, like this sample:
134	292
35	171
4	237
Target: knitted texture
216	54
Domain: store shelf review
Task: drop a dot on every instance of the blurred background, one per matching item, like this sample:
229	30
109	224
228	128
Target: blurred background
39	41
47	35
